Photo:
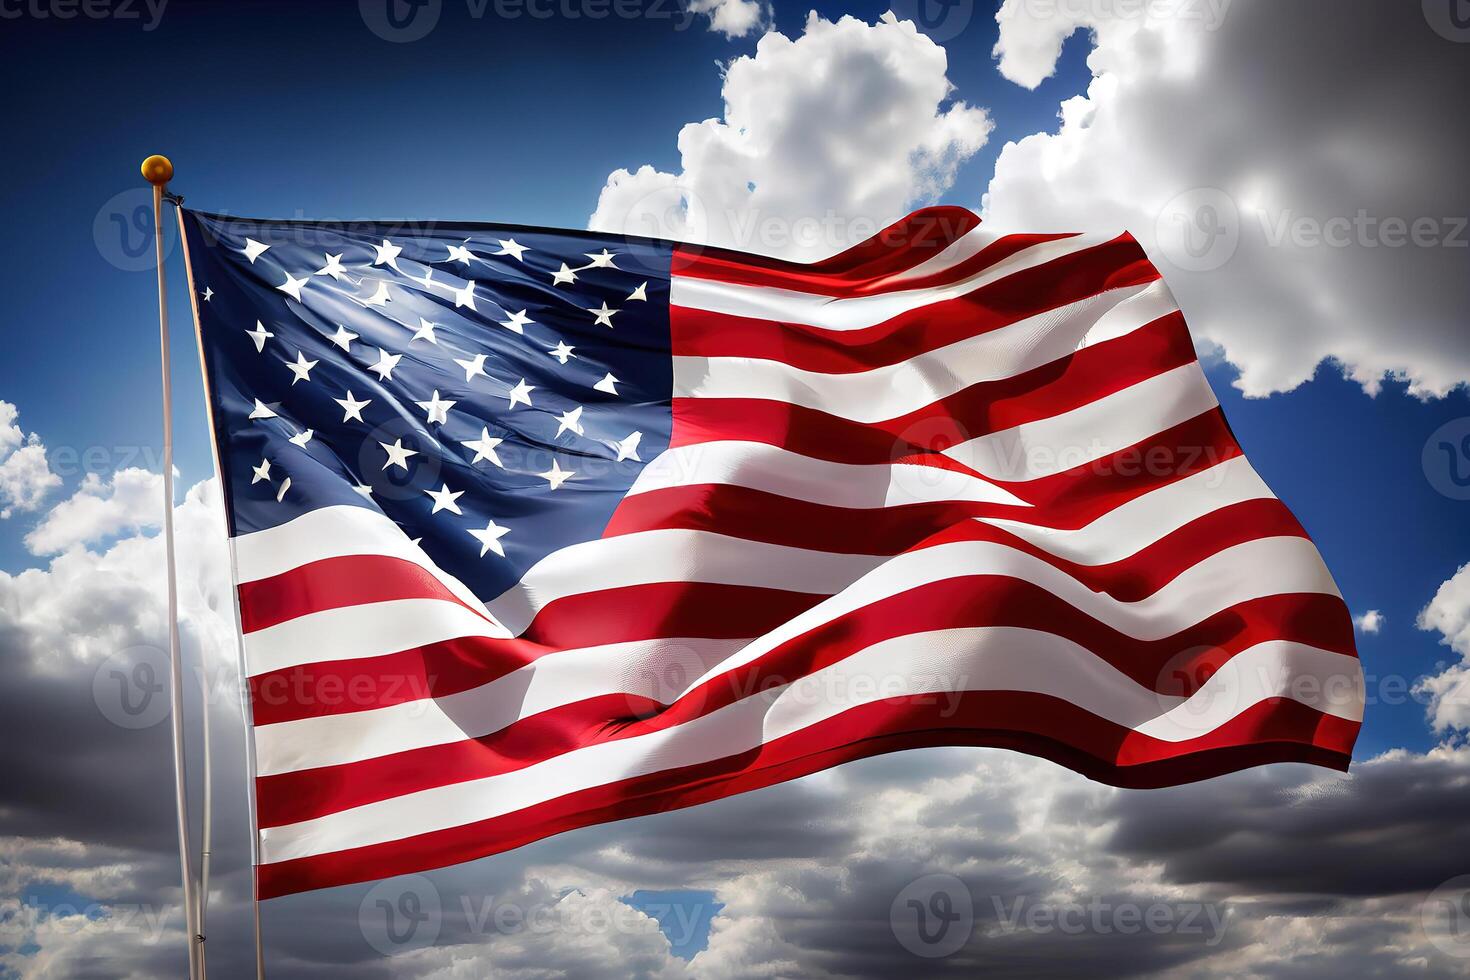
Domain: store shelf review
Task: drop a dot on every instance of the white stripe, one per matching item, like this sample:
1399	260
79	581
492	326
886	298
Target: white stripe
1095	430
674	555
1146	306
1251	570
759	466
857	312
926	663
893	390
658	669
335	532
1265	567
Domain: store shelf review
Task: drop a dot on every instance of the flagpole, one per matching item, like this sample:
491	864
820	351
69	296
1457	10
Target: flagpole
245	708
158	171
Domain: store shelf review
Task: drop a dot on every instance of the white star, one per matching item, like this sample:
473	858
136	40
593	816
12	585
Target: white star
208	294
302	368
521	393
365	490
292	287
253	250
387	255
351	407
437	408
444	499
484	448
604	260
333	267
641	293
472	367
379	298
425	332
281	493
490	538
397	454
301	438
343	338
509	246
428	279
386	363
261	472
561	351
465	296
517	322
564	274
570	420
260	335
628	448
603	316
556	476
608	384
459	253
260	411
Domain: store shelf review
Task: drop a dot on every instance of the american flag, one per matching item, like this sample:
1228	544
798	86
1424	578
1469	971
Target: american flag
537	529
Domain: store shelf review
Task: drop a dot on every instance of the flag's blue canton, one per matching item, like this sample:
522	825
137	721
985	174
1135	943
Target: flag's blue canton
369	338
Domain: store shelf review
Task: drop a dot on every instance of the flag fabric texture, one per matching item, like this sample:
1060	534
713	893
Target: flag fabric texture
537	529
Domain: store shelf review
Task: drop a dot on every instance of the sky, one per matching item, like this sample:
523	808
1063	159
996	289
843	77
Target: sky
1325	283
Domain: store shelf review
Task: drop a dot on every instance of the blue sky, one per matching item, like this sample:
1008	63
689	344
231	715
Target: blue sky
297	110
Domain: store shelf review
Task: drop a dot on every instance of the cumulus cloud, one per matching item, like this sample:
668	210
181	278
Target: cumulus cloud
1370	622
733	18
25	474
1301	210
824	140
127	503
1448	614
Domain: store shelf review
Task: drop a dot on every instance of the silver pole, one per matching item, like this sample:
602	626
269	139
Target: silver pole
159	171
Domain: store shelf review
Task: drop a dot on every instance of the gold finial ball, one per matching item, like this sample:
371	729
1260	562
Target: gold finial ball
158	170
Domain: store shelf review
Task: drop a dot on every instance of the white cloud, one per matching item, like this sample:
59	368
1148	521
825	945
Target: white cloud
25	474
1448	614
733	18
824	140
130	501
1275	181
1370	622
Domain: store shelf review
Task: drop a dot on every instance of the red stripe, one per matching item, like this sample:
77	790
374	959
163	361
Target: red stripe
901	246
1075	277
1176	665
988	406
1271	731
331	583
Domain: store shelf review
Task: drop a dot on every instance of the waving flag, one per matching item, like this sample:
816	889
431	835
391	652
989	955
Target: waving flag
537	529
